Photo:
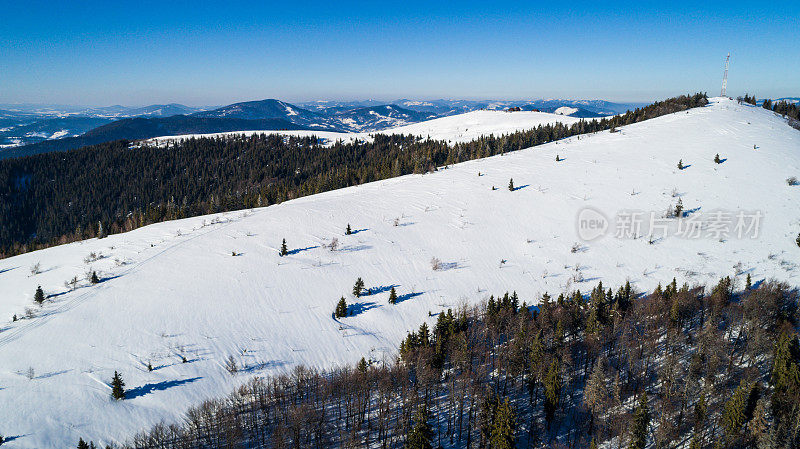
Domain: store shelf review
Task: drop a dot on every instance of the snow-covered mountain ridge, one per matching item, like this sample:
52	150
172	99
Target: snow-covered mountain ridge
175	289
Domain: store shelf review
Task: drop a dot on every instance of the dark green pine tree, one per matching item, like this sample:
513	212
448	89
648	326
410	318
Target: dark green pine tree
39	295
82	444
717	159
641	421
95	279
393	296
362	366
502	435
341	308
284	249
748	283
348	231
552	391
785	376
680	164
117	387
511	185
421	433
358	287
798	240
558	159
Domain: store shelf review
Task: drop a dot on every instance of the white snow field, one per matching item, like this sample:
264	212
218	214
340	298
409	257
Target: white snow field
454	129
174	289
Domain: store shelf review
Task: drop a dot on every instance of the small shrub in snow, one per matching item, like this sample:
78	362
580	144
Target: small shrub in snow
678	208
798	240
284	249
92	257
72	284
792	180
575	247
334	245
36	268
230	365
30	313
397	222
30	374
436	264
341	308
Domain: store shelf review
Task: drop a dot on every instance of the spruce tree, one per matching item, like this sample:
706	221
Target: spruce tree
798	240
641	421
39	295
284	249
502	434
552	390
393	296
717	159
348	231
362	366
341	308
82	444
511	185
95	279
421	434
358	287
748	283
680	164
558	159
117	387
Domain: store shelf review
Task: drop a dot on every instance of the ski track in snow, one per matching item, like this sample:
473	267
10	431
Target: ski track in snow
181	292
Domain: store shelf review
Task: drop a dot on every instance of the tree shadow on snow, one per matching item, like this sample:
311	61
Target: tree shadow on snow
354	248
407	296
520	187
361	307
299	250
3	270
159	386
356	231
380	289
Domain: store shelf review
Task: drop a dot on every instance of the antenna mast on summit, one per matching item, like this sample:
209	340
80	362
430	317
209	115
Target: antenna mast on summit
725	77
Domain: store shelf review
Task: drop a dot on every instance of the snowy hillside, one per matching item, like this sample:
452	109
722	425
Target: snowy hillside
176	290
455	128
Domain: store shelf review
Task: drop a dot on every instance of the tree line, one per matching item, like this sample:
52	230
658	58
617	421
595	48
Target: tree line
679	367
56	198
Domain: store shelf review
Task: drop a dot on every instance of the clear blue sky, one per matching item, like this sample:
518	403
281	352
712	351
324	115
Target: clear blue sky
209	53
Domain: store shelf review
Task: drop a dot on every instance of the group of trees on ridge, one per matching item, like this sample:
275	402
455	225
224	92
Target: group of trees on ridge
680	367
60	197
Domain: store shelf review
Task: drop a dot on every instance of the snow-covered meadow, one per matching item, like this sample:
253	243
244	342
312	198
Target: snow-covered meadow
175	290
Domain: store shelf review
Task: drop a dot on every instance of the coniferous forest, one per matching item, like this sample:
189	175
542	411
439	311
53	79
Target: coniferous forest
680	367
55	198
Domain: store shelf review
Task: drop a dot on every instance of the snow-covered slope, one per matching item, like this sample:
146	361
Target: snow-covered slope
455	128
175	290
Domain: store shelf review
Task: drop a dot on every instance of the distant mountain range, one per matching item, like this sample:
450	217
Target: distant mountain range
31	129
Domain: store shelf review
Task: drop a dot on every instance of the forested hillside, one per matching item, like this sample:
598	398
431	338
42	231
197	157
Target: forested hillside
675	368
56	198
